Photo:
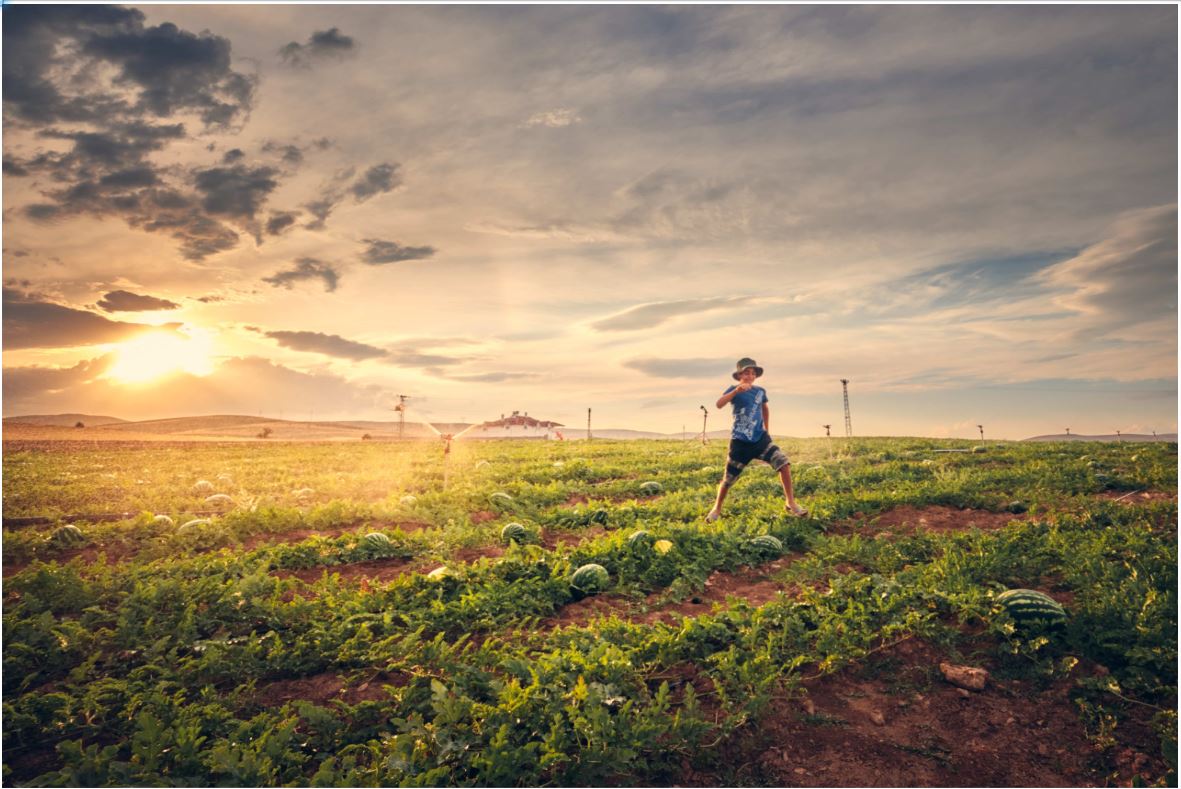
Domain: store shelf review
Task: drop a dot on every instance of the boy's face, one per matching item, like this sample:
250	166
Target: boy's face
747	376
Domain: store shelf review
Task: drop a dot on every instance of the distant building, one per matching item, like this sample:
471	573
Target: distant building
517	425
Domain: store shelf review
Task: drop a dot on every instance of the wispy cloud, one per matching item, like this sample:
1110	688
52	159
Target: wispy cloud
328	344
554	119
647	316
680	368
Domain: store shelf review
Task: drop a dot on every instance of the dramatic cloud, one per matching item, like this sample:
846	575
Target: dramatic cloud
51	54
378	179
680	368
306	268
125	301
322	45
379	252
32	323
328	344
646	316
101	67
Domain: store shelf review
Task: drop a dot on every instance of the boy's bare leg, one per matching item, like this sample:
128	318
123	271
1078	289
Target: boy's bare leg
788	493
716	512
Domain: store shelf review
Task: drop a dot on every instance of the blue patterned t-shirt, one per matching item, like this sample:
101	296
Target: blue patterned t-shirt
748	413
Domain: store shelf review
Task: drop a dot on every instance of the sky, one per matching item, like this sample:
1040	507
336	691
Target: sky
304	211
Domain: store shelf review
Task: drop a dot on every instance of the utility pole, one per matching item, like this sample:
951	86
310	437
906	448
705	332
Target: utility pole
401	409
848	421
588	432
704	420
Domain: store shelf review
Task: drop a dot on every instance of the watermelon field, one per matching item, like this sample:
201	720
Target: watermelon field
381	613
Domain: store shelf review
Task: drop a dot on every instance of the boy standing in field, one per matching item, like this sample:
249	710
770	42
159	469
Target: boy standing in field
750	439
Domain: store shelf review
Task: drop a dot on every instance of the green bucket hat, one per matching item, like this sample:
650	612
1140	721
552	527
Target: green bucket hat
743	363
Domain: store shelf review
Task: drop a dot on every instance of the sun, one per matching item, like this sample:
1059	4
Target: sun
163	353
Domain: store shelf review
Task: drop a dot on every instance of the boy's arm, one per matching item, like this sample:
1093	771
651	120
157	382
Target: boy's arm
731	393
767	418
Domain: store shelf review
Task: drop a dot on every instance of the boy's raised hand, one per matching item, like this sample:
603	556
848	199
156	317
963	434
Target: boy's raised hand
744	386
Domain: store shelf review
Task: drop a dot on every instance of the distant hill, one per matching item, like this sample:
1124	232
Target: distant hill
1129	437
63	420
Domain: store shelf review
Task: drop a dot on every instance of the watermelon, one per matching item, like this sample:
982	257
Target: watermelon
500	499
640	539
1017	507
219	500
651	488
439	573
1028	607
193	524
767	545
67	535
408	501
513	532
203	486
376	540
590	578
162	520
599	516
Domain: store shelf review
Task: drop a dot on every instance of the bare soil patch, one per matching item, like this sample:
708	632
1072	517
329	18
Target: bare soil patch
936	518
483	516
1137	497
552	539
894	721
374	570
323	688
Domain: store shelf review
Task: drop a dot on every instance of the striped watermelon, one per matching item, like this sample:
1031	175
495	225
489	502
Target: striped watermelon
590	578
767	545
640	539
500	500
67	535
651	488
513	532
376	540
1028	606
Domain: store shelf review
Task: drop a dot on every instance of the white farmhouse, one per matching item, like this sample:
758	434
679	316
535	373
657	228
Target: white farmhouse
517	425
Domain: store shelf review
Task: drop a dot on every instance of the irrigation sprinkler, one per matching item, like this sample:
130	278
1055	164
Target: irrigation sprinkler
828	435
1068	431
1118	436
981	428
704	420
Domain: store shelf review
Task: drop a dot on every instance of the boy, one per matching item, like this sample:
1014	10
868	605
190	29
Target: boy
750	438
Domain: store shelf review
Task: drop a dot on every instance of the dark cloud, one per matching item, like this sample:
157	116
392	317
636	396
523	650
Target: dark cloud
129	84
21	383
321	209
160	71
379	252
232	155
321	45
280	221
379	179
31	322
12	167
236	192
646	316
328	344
125	301
306	268
680	368
210	299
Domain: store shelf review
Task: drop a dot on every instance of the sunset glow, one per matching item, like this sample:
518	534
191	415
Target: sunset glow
159	354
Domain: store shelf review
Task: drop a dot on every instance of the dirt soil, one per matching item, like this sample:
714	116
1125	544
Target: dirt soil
935	518
894	721
324	688
1137	497
372	571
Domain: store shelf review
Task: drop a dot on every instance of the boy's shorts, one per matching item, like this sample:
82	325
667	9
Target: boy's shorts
743	452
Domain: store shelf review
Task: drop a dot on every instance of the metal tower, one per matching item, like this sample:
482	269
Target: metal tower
848	421
401	409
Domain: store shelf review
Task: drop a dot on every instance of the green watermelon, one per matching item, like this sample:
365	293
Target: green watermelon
376	540
590	578
767	545
440	573
67	535
1029	606
651	488
513	532
408	500
640	539
500	500
599	516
